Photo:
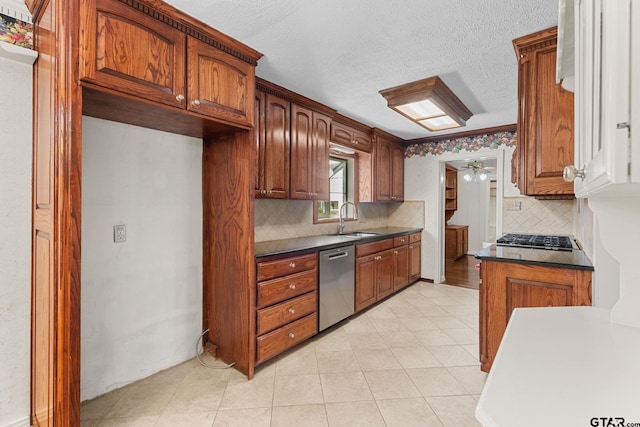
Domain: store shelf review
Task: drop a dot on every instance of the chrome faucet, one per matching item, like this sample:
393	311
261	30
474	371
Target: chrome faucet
341	220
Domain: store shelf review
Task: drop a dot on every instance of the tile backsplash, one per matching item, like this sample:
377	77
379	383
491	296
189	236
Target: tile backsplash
286	219
538	216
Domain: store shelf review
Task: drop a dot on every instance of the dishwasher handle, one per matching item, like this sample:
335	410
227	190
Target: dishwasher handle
337	256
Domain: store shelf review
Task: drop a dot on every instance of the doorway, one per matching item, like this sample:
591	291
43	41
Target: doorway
477	217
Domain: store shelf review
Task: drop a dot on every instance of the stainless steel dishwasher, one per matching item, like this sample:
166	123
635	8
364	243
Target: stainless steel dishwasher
337	285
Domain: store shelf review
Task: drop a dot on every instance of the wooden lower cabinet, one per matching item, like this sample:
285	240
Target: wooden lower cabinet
365	292
400	267
286	303
456	242
385	267
414	255
384	274
293	333
506	286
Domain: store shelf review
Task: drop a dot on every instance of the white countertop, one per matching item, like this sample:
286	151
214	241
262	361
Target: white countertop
563	366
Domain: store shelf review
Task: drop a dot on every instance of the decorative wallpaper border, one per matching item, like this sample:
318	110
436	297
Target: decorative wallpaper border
472	143
14	30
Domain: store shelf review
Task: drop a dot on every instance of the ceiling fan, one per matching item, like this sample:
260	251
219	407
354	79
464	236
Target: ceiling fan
476	171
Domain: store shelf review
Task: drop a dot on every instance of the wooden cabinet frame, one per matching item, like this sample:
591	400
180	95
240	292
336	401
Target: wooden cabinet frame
59	103
506	286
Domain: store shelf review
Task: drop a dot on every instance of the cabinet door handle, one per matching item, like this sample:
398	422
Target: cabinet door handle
292	286
292	335
292	264
270	192
180	97
395	252
292	311
570	173
196	102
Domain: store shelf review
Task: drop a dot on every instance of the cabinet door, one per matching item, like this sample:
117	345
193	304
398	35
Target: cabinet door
506	286
260	146
397	174
400	267
350	137
301	152
219	85
604	94
365	281
277	145
384	273
545	122
414	261
382	171
128	51
320	156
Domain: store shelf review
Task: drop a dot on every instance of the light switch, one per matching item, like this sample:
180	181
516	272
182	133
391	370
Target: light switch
119	233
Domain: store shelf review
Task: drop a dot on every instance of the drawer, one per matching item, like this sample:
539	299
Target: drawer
278	315
276	290
373	247
282	267
400	241
415	237
277	341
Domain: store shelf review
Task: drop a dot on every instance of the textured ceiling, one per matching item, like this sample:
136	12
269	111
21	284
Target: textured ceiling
341	53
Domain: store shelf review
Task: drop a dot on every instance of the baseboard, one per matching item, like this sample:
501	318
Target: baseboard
422	279
23	422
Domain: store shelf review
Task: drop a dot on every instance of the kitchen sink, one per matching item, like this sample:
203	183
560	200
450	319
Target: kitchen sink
355	235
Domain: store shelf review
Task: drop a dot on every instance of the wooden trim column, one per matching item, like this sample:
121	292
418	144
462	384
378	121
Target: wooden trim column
57	170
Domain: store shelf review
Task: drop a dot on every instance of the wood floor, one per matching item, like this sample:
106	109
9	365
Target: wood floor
462	272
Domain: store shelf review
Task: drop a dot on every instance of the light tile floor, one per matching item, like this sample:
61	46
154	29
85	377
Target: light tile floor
408	361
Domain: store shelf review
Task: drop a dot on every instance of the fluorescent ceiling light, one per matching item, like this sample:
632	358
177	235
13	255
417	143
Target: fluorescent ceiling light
429	103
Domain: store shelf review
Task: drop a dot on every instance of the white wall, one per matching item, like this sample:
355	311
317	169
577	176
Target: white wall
422	182
473	209
15	235
142	299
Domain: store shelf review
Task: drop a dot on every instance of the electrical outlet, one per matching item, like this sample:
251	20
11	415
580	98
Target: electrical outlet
517	206
119	233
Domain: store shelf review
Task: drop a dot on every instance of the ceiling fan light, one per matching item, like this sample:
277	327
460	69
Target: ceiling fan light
467	176
483	176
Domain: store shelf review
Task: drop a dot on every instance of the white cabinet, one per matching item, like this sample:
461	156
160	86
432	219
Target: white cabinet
607	99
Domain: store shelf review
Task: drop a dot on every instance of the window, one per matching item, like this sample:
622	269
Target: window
341	188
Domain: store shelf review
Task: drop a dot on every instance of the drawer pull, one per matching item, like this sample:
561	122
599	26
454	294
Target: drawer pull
292	311
395	252
292	335
292	264
180	97
292	286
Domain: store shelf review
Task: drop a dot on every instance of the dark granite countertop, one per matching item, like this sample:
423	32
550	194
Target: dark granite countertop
576	259
279	247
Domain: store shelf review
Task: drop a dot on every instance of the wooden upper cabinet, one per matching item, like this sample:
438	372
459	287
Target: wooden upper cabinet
545	119
218	84
321	137
309	154
350	137
128	51
388	171
382	170
397	173
272	124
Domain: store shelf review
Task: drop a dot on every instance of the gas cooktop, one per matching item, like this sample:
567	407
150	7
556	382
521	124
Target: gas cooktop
538	241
